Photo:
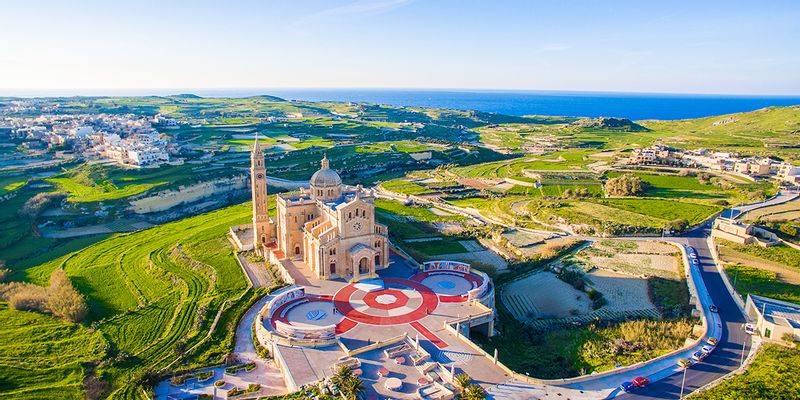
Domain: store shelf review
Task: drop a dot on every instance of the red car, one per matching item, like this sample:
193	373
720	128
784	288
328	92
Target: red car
641	381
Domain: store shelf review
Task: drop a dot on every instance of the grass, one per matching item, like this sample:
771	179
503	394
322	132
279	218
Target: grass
147	295
674	186
405	187
570	352
780	254
670	296
751	280
562	160
416	212
666	210
42	357
771	376
79	192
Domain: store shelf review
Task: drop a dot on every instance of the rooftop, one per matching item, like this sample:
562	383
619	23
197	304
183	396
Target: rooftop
777	311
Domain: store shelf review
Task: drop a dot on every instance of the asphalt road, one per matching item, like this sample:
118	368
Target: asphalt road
728	354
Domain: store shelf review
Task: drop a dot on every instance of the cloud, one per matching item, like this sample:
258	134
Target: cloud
353	10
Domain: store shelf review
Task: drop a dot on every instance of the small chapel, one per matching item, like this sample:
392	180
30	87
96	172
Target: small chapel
330	226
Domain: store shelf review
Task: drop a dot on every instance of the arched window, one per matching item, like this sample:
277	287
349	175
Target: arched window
377	260
297	250
349	215
377	243
333	268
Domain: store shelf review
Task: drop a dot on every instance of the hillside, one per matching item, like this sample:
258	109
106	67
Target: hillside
768	131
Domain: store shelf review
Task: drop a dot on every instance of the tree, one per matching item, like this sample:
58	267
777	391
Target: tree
473	392
624	185
462	380
350	385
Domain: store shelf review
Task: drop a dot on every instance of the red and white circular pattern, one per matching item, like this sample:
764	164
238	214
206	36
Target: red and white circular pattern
399	301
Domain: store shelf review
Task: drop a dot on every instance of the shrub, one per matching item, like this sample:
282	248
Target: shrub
4	272
219	383
573	277
36	204
63	300
678	225
787	229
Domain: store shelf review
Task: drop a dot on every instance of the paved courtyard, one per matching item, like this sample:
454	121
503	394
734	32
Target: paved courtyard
401	300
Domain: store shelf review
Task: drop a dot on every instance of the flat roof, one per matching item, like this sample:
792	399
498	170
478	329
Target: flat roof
777	311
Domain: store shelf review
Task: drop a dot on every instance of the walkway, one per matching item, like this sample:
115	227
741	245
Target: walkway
256	272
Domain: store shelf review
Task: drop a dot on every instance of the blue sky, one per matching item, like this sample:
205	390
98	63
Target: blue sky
731	47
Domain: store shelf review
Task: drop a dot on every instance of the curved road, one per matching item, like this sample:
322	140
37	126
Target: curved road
733	340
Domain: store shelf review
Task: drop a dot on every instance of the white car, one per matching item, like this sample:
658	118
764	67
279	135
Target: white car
692	255
750	329
707	349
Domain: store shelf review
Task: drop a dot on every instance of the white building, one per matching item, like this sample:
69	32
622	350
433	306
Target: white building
774	318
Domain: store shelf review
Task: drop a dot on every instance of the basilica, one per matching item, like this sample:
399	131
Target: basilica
330	227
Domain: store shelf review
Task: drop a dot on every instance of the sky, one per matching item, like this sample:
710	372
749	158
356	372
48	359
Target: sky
719	47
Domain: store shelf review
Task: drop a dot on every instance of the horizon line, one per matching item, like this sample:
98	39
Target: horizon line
109	92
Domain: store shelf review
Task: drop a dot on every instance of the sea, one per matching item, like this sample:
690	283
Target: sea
634	106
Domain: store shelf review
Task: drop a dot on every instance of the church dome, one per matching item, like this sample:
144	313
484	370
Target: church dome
325	177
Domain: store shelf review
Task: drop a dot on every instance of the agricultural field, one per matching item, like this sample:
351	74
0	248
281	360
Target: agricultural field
778	213
414	229
148	296
82	193
772	272
634	258
569	160
43	357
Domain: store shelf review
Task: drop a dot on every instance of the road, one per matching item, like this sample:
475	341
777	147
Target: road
782	197
728	353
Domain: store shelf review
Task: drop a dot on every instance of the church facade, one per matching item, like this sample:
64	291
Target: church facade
330	227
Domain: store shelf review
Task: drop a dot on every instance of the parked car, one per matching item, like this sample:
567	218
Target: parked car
684	363
713	308
712	341
641	381
698	356
707	349
627	387
750	329
692	254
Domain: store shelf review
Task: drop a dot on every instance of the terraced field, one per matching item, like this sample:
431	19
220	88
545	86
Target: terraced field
155	293
42	357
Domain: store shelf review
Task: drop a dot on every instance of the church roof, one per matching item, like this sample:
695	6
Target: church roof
325	177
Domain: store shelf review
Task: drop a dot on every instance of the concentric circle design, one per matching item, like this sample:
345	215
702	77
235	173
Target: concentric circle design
400	301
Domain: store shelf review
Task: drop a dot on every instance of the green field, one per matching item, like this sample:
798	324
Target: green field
405	187
751	280
564	160
666	210
146	293
416	212
82	193
674	186
771	376
44	358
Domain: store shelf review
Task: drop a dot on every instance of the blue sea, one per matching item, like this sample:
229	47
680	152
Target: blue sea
635	106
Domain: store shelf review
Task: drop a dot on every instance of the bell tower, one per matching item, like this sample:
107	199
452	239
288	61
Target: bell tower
262	226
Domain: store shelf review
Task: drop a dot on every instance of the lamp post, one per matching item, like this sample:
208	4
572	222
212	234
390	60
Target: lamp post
683	382
744	343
